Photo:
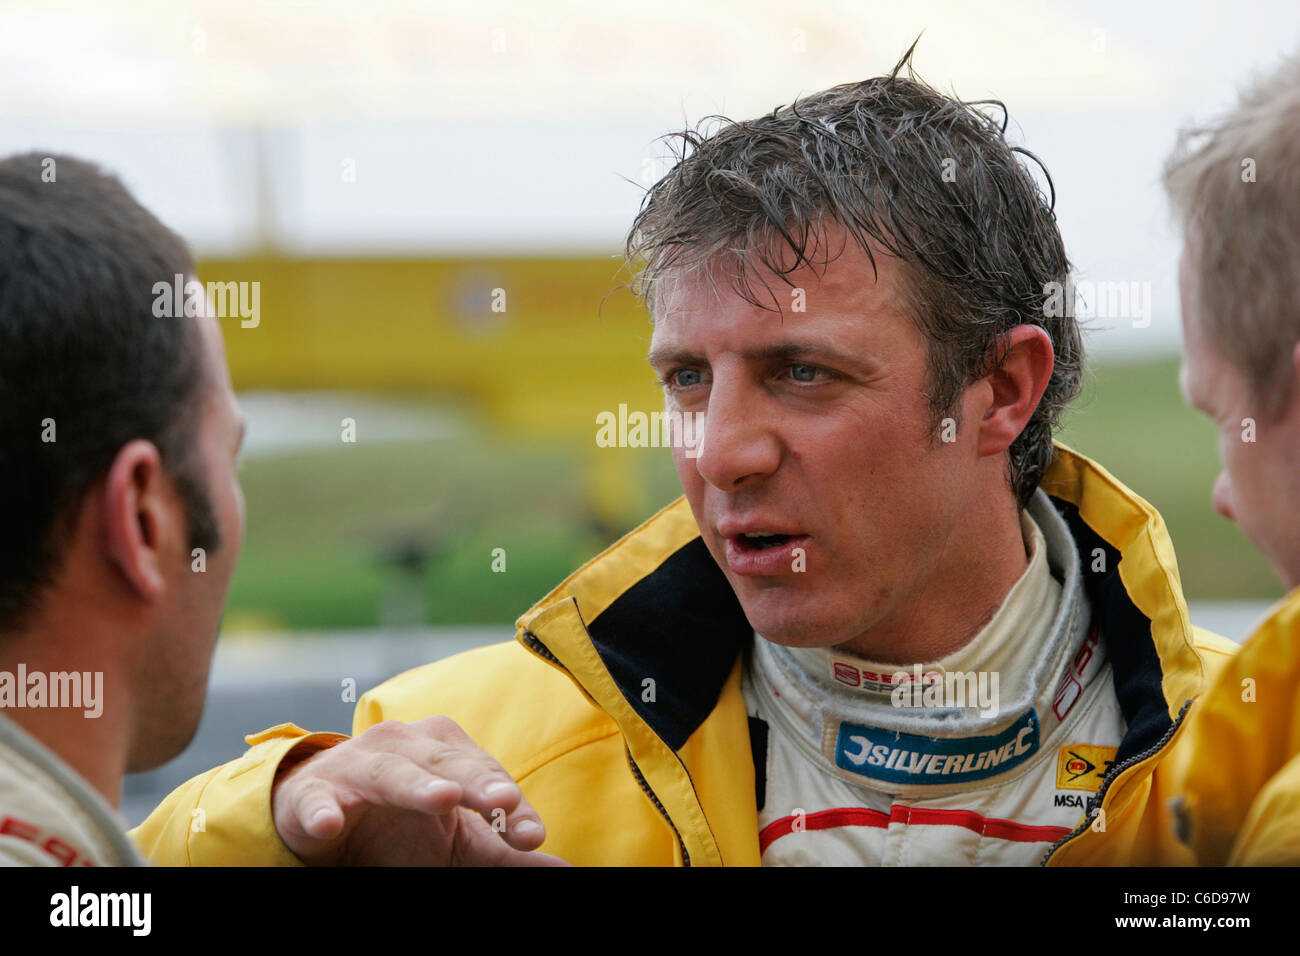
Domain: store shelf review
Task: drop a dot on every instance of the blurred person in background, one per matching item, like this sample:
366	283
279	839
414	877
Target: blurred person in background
119	434
1235	187
861	296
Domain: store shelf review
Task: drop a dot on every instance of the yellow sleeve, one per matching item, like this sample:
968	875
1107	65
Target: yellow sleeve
1270	835
223	817
1241	794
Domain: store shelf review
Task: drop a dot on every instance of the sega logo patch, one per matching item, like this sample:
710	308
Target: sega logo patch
911	758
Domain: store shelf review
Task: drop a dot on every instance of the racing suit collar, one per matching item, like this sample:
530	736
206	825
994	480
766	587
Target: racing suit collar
655	607
900	747
1001	645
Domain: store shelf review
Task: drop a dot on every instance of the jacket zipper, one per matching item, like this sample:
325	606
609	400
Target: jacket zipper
1094	802
537	647
636	772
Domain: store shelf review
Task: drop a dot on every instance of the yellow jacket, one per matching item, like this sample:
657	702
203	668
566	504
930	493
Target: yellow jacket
1242	801
623	776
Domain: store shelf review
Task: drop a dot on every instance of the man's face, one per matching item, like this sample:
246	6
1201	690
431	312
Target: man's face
177	666
817	430
1260	479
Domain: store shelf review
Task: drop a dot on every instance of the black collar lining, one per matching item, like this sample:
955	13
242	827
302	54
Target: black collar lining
671	640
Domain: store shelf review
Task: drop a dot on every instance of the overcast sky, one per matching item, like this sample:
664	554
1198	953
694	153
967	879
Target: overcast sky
464	128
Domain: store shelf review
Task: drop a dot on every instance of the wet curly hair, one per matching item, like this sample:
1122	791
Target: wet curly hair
927	178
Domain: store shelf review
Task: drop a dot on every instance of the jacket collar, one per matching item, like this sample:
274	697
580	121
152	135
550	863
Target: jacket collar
650	629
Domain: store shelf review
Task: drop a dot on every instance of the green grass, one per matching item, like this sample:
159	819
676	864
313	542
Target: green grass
322	527
326	530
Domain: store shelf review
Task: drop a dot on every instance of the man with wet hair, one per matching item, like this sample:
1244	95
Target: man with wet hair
890	621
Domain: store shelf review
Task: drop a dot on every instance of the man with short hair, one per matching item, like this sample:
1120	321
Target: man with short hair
118	438
1235	187
890	622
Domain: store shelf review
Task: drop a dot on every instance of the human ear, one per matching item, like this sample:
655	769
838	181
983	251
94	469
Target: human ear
1016	386
140	514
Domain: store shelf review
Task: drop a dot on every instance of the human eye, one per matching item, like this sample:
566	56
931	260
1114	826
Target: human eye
804	373
682	378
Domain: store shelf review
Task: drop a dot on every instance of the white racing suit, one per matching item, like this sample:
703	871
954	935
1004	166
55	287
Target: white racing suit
984	758
49	815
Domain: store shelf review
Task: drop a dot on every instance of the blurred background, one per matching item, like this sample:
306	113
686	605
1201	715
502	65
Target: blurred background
433	198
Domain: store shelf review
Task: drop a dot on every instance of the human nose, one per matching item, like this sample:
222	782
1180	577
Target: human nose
738	443
1222	496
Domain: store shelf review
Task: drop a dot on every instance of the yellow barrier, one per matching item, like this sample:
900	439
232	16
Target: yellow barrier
526	343
526	340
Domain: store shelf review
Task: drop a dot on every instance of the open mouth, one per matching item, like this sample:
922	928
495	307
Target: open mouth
760	541
767	553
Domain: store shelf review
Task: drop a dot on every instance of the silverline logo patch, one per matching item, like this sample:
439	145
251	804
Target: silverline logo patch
911	758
